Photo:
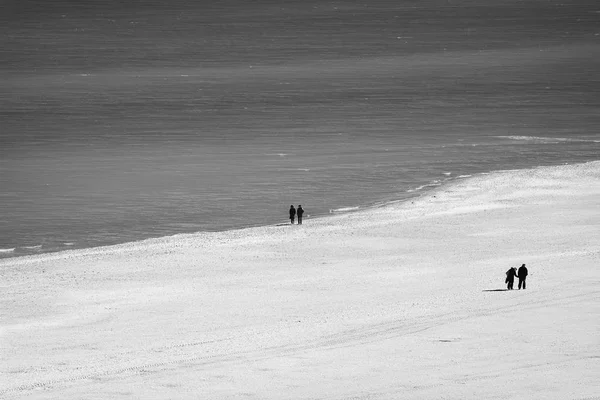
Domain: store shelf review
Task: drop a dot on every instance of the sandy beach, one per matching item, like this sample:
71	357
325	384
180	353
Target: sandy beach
404	301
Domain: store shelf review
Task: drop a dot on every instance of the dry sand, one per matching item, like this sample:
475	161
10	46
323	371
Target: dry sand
398	302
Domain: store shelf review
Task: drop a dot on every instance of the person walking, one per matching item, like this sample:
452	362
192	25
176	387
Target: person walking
510	278
299	213
522	274
292	213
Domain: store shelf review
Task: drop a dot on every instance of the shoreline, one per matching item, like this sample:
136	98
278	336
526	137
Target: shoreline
404	301
430	190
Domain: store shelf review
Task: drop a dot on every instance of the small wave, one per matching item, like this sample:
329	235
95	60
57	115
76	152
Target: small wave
344	209
7	250
69	244
464	176
303	169
547	139
39	246
447	173
277	154
432	184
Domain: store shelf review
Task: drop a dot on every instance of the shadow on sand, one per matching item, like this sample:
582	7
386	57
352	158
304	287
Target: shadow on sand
495	290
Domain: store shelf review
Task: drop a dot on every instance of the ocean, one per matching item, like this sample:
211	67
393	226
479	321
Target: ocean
121	122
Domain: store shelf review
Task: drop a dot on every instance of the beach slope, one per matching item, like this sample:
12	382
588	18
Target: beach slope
405	301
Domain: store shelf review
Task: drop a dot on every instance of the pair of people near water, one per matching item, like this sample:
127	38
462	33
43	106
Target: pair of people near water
512	273
293	213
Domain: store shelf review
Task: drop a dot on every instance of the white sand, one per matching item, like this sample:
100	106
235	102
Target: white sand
385	304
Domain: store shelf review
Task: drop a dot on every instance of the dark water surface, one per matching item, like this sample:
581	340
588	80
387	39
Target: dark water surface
123	122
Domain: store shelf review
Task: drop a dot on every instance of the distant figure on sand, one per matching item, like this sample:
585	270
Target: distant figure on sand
510	277
300	212
522	274
292	213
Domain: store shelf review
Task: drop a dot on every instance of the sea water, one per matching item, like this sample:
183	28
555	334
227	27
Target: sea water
125	122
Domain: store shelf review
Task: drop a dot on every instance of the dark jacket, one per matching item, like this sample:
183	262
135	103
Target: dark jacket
292	212
522	272
300	212
510	274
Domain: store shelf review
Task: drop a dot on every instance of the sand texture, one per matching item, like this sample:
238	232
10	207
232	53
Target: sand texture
399	302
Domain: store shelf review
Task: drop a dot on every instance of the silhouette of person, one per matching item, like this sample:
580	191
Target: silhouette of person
510	278
299	213
292	214
522	274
